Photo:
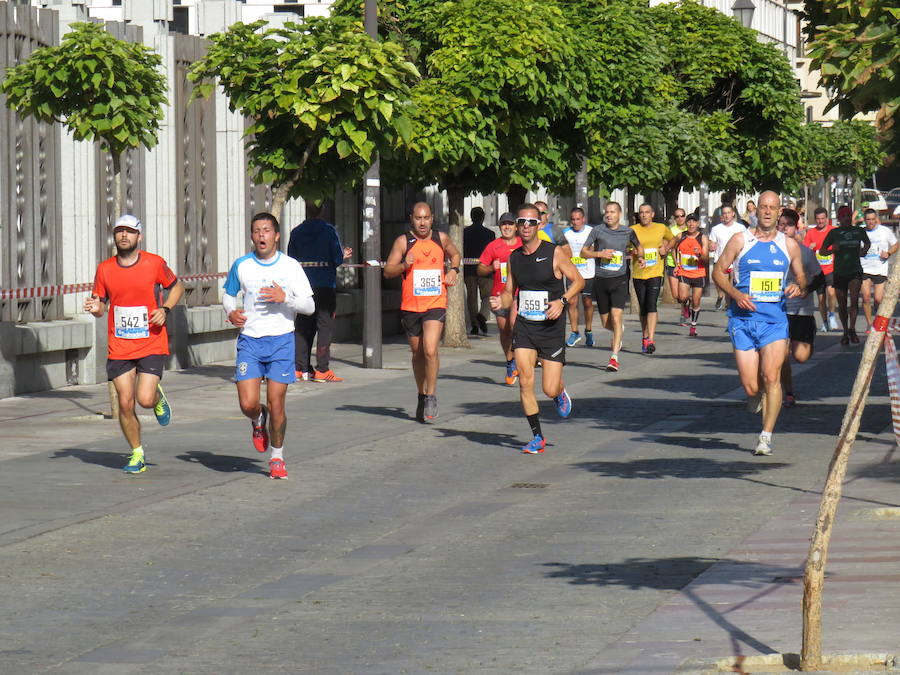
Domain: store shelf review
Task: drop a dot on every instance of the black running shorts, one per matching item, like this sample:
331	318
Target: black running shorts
611	292
547	338
152	364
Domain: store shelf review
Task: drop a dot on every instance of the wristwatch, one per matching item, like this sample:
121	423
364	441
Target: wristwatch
454	269
166	309
564	300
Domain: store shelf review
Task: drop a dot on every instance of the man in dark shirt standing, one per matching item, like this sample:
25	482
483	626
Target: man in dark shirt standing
315	244
475	238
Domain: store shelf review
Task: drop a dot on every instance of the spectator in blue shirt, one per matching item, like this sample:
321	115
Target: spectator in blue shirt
316	245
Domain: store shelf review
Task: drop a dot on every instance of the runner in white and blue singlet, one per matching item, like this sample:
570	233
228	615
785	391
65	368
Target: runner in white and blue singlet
757	321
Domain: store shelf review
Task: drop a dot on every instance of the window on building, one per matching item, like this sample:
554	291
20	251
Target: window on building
180	22
289	9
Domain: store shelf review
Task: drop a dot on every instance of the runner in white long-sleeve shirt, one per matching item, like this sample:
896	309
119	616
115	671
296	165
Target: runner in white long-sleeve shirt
275	288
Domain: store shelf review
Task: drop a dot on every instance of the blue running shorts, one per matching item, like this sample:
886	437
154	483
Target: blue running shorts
270	356
749	334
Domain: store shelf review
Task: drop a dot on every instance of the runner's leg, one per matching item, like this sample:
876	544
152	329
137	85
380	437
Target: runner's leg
128	420
431	341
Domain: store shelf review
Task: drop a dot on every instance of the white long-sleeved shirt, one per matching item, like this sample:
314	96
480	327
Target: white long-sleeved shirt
249	274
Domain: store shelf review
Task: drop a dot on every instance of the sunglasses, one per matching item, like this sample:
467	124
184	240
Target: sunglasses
531	222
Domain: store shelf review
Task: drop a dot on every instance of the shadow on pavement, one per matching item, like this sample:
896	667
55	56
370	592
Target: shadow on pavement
675	574
886	471
112	460
385	411
469	378
484	437
224	463
680	467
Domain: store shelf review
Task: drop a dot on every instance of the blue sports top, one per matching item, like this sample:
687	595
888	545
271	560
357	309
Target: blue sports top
760	271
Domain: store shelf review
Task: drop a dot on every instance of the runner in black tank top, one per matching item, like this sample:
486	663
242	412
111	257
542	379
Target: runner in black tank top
535	276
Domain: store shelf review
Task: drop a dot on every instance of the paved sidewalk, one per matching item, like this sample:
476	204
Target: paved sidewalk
749	601
646	538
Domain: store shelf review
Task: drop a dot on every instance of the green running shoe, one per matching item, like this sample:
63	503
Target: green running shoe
162	409
136	463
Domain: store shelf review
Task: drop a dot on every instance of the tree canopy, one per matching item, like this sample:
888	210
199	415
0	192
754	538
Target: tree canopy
855	44
97	86
323	98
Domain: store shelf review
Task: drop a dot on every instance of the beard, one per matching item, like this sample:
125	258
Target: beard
124	249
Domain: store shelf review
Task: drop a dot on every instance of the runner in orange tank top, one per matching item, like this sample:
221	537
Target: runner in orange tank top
420	256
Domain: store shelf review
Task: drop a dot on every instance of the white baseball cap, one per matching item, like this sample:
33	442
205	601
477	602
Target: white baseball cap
129	221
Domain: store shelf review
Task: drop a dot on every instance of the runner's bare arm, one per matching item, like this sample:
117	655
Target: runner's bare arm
723	279
158	315
798	288
505	299
562	265
451	252
485	270
395	265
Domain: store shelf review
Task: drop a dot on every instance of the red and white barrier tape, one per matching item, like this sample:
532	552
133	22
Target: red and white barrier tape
887	326
65	289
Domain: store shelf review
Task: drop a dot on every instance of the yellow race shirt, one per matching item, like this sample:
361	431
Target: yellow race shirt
651	237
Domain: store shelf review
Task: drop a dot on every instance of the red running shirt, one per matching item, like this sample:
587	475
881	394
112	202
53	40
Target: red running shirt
498	250
131	294
813	239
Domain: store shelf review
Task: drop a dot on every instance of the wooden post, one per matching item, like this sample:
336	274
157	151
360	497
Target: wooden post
814	574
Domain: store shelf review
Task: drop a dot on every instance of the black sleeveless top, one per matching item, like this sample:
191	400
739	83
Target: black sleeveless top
535	272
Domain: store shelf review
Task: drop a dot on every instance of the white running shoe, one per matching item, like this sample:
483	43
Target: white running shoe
833	322
763	447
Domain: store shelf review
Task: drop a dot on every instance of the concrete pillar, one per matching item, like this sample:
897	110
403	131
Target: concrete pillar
214	16
7	359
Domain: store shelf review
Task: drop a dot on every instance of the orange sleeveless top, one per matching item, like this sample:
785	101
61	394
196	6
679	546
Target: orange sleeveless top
423	284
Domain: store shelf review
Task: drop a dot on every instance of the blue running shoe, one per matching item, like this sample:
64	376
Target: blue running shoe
162	409
588	338
573	339
136	464
511	373
563	404
535	446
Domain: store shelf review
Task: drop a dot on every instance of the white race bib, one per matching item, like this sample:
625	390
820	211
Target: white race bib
533	305
580	263
615	263
651	257
503	268
765	286
426	282
132	323
825	259
689	263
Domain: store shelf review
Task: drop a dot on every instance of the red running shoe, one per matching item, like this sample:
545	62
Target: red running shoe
276	469
613	365
693	331
260	436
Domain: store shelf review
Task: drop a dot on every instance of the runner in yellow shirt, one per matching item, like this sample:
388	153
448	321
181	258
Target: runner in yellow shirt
655	240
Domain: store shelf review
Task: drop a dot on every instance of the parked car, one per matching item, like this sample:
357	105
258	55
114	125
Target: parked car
876	200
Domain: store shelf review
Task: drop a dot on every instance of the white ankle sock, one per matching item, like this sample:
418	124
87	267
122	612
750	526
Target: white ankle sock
277	453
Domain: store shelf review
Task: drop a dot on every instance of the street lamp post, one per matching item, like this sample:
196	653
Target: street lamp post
371	235
743	11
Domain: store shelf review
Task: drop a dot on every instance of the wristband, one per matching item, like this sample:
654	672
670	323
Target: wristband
454	269
166	310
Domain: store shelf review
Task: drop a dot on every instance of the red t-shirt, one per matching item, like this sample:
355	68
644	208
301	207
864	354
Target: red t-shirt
814	239
498	250
131	294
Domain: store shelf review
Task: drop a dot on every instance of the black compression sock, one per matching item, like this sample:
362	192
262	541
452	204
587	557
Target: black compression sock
535	423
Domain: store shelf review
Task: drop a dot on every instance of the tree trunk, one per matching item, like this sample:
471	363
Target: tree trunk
814	574
515	197
455	326
279	197
671	192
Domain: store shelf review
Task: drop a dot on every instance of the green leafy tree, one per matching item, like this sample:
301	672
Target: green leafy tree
846	147
323	98
715	106
99	87
855	44
496	106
